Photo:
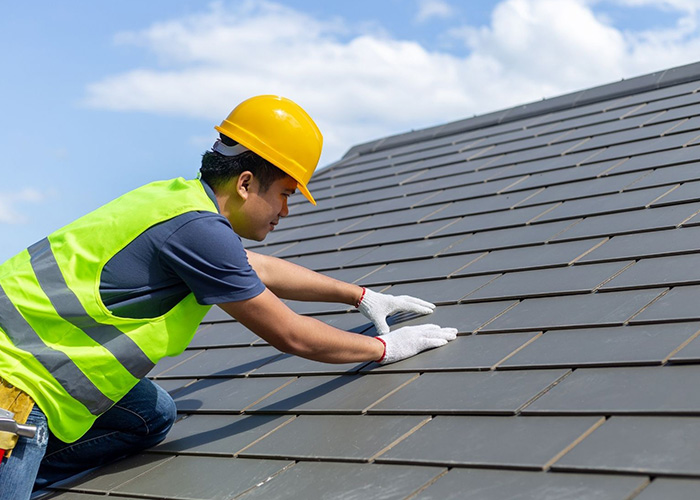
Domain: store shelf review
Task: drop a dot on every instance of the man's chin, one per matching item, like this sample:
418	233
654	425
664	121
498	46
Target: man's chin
252	237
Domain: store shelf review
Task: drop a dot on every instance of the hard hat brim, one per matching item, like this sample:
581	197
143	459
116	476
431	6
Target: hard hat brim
305	191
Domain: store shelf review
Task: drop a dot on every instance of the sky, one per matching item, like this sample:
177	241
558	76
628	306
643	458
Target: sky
97	98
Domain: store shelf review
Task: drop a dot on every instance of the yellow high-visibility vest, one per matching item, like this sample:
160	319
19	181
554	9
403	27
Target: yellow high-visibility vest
58	341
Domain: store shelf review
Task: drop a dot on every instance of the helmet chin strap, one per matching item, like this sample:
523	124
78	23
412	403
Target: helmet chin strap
225	150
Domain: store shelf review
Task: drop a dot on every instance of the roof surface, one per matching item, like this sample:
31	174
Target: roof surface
561	238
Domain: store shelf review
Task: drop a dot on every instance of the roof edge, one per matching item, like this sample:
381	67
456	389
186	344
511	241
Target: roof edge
622	88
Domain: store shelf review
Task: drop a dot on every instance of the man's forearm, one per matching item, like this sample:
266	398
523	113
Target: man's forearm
303	336
322	342
291	281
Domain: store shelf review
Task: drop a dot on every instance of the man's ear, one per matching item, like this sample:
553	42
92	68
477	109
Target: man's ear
243	184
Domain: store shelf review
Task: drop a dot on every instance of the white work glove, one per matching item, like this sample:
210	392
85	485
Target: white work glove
377	306
410	340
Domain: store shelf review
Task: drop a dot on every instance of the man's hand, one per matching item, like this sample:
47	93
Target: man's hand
410	340
377	306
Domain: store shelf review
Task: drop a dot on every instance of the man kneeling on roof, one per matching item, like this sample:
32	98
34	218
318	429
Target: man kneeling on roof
88	311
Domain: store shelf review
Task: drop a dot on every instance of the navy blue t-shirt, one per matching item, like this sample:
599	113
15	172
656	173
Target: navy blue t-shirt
194	252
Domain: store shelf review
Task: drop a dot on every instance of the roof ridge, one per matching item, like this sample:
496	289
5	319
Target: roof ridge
619	89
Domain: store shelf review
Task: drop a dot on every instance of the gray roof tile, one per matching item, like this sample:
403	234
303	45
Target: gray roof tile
620	391
405	233
292	365
442	290
507	238
166	364
217	478
465	317
551	164
531	257
676	489
616	346
352	274
669	175
585	188
226	395
604	309
661	271
604	204
640	220
345	437
687	125
649	146
494	393
555	281
469	352
493	220
224	435
684	193
480	484
680	304
655	159
107	478
327	394
173	385
424	269
227	334
566	175
689	353
659	446
503	442
467	207
398	218
417	249
633	246
228	362
342	480
330	260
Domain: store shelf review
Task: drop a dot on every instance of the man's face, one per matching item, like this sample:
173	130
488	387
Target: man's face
263	210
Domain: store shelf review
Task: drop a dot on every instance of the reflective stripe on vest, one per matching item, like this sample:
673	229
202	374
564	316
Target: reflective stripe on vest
69	308
58	341
56	362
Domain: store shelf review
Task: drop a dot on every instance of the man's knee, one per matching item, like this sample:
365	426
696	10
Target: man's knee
165	414
147	411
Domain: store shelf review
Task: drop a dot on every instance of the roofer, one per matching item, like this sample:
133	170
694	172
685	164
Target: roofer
88	311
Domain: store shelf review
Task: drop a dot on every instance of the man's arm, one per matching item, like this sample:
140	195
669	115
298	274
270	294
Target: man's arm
290	281
267	317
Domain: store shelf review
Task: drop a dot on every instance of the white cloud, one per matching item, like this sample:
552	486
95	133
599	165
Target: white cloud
9	211
361	86
431	9
685	6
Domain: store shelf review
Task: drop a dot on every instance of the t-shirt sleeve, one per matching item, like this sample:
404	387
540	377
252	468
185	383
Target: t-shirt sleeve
209	257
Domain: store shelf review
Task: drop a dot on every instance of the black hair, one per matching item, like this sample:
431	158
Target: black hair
218	169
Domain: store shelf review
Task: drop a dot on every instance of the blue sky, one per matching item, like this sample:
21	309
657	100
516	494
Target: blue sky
100	97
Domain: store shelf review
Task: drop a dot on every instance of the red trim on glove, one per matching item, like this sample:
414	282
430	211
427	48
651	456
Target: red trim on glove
384	353
361	297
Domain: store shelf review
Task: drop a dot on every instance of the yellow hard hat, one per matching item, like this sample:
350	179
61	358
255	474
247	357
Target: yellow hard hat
280	131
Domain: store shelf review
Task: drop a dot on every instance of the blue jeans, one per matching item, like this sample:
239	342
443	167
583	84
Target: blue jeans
138	421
